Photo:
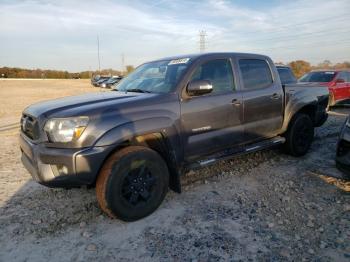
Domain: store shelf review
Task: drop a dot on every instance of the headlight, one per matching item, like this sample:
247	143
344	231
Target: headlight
65	129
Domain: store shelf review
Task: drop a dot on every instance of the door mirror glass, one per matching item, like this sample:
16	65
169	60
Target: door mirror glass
340	80
199	87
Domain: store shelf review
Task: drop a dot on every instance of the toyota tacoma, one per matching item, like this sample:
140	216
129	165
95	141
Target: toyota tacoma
167	117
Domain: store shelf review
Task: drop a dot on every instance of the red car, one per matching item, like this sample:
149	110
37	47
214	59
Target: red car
337	81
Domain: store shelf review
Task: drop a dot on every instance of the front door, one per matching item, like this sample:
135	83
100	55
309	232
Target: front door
212	122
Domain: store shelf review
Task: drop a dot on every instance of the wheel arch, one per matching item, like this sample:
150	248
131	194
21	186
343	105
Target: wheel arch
162	138
308	109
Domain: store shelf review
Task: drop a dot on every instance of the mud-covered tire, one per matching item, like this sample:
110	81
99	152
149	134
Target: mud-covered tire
132	183
299	135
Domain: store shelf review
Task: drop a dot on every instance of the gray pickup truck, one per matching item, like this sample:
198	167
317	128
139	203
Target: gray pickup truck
167	117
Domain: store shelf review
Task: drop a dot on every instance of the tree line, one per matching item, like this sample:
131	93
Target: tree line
14	72
299	68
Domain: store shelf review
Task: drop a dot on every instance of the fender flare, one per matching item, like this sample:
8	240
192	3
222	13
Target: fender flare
126	132
293	108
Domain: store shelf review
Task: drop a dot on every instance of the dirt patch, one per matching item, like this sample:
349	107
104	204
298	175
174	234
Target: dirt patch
265	206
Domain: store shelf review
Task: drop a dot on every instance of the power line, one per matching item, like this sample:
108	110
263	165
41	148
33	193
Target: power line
302	35
123	62
98	53
309	45
293	37
280	28
202	41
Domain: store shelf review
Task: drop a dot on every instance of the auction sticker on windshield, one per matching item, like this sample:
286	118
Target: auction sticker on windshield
179	61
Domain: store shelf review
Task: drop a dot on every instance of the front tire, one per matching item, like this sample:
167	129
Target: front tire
299	135
132	183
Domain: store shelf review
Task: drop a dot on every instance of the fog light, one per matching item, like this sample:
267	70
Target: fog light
59	170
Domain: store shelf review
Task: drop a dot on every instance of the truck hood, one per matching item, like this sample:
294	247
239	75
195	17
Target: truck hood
82	102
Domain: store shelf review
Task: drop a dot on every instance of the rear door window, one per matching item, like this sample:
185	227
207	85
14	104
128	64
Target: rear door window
256	73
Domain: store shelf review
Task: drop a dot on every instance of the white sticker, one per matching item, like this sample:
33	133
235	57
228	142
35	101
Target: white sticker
330	73
179	61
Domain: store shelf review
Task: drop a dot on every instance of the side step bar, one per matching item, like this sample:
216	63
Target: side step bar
230	153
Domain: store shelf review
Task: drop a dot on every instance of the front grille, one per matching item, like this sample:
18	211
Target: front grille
30	126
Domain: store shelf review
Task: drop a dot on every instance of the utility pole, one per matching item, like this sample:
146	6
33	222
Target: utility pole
98	54
123	63
202	40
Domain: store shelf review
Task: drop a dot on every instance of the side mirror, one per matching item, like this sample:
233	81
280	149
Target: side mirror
199	87
340	80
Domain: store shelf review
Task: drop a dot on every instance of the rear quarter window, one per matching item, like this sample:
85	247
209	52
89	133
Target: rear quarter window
256	73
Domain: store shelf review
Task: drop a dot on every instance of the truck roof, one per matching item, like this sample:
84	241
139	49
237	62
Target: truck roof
199	55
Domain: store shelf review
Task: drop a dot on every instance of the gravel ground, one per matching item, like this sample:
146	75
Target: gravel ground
265	206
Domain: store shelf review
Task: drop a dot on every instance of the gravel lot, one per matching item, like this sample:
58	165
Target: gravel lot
265	206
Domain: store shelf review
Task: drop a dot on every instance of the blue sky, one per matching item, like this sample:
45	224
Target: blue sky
63	34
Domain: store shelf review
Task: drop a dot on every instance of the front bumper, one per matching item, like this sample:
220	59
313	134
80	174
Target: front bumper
343	152
44	163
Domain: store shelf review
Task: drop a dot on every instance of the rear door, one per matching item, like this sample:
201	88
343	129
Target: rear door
262	98
212	122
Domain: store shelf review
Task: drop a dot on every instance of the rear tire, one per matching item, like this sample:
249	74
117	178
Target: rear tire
132	183
299	135
322	120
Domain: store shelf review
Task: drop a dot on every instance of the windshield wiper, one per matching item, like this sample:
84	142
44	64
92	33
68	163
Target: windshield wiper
137	90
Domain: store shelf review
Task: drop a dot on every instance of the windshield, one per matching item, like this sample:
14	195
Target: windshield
155	77
321	77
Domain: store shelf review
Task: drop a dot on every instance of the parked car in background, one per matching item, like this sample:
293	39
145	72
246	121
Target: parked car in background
98	80
101	81
343	150
94	79
286	75
167	117
337	81
111	82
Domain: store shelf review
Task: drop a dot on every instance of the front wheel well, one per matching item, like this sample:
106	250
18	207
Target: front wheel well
158	143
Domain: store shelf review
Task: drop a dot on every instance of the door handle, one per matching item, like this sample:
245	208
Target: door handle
275	96
235	102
